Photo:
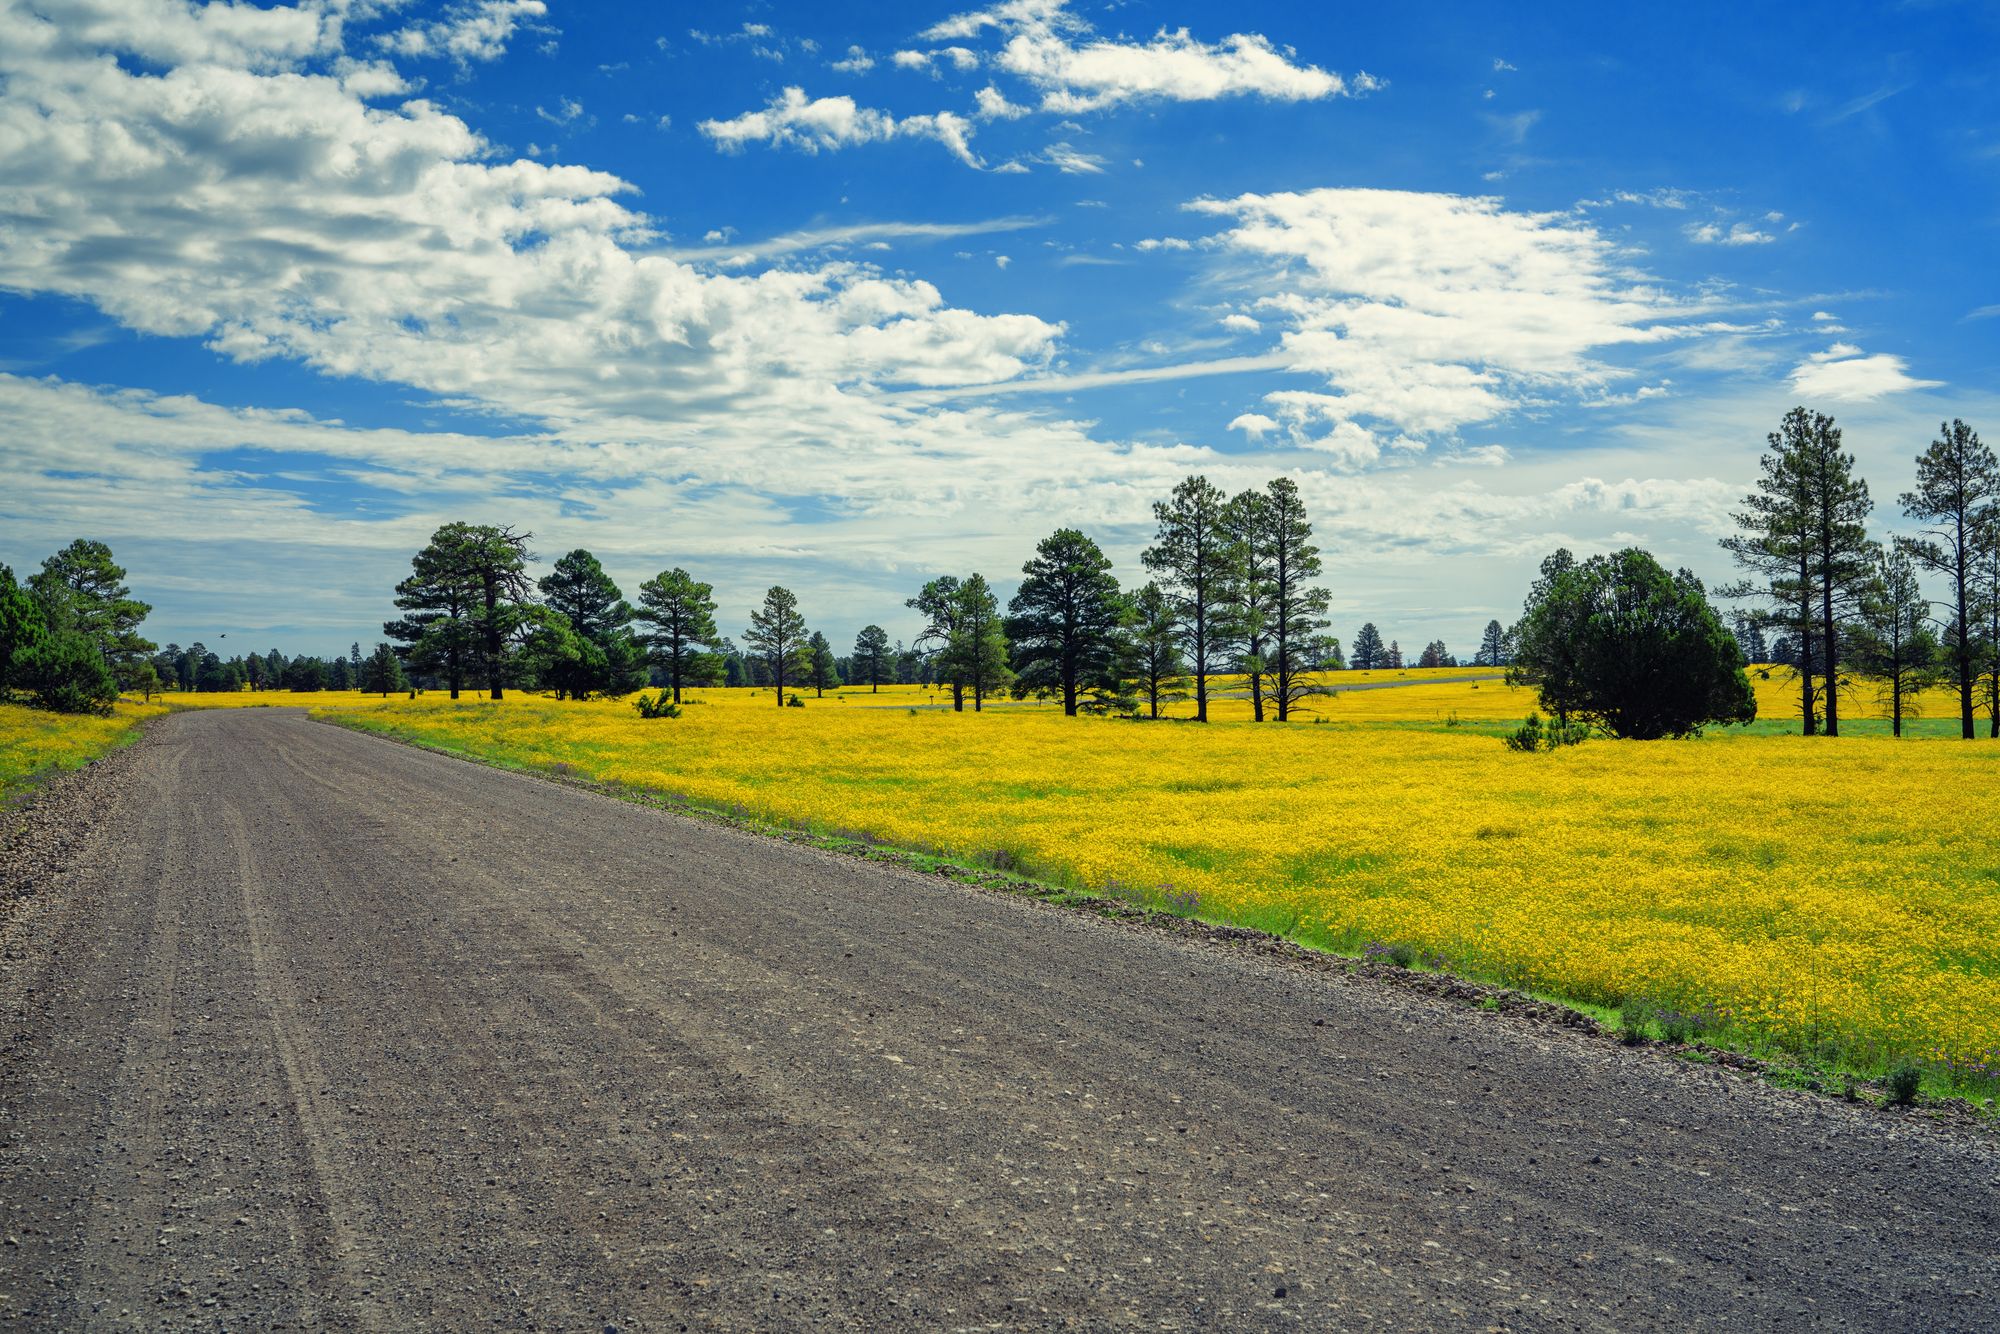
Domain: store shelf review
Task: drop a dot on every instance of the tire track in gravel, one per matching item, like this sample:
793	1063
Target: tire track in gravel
475	1050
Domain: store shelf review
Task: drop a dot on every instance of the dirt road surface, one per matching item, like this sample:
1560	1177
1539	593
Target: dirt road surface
324	1032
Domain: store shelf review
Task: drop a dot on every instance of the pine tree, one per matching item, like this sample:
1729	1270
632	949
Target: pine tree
1299	645
1393	658
820	665
582	593
438	634
1193	557
1064	620
1956	499
1369	654
778	635
681	613
82	589
938	601
1154	635
382	674
976	654
1892	643
872	658
1807	552
1492	647
1247	521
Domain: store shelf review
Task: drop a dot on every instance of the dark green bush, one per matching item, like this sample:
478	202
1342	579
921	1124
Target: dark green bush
66	674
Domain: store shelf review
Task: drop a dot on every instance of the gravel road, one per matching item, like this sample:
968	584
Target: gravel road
319	1031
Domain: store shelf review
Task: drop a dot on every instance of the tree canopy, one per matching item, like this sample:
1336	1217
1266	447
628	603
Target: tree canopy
1618	642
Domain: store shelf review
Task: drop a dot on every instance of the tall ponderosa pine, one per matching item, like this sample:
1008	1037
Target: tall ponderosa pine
1064	620
1370	654
1891	643
873	659
975	656
777	635
1806	546
1193	558
1299	646
681	614
1956	499
1154	641
1247	520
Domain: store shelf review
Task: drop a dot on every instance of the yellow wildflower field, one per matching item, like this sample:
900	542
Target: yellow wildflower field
1834	895
33	740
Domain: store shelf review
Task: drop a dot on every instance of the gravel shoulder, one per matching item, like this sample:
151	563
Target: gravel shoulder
308	1029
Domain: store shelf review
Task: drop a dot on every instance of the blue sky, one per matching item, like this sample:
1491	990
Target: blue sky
847	296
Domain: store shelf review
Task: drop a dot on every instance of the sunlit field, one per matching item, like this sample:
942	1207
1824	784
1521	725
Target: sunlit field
1833	897
34	742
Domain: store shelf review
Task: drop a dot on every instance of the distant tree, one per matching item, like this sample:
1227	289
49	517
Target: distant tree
22	626
382	673
733	673
1957	499
340	676
1248	591
1618	642
305	675
1750	638
681	615
354	662
821	669
146	681
976	654
1064	620
1393	659
1193	559
1155	639
911	666
1492	647
939	604
1434	654
274	670
873	663
1892	643
254	671
777	634
1370	654
81	588
578	589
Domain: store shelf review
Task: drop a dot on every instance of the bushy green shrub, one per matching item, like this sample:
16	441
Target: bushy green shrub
66	674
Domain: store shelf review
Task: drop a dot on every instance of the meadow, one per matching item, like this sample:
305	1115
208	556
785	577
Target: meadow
1833	898
1837	899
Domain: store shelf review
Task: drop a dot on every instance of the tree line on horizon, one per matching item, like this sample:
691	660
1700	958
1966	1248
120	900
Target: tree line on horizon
1233	591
